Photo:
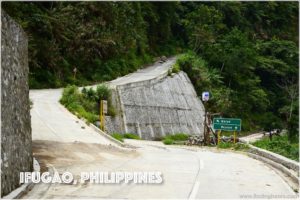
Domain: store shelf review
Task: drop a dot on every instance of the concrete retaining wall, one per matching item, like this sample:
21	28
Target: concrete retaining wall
288	163
16	154
158	107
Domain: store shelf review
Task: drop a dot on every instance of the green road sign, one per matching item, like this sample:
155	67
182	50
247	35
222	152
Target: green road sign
227	124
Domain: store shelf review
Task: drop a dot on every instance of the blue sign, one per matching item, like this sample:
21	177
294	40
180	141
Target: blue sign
205	96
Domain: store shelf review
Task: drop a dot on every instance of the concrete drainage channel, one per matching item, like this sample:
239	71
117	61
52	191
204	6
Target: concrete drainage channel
288	169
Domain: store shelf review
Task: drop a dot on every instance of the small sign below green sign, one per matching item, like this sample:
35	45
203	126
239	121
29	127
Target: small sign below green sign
227	124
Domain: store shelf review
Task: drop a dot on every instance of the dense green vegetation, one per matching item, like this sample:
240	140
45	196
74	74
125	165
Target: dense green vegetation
280	145
102	40
85	104
244	53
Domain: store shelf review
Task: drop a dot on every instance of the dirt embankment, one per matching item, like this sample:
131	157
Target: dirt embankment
64	155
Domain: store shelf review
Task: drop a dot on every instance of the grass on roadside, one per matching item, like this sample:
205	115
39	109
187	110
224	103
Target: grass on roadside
237	146
131	136
121	137
75	102
280	145
118	136
168	141
177	138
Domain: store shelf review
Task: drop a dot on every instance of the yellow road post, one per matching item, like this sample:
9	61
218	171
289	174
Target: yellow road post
101	116
219	136
103	119
234	137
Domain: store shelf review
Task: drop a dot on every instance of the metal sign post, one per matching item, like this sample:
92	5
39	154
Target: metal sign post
100	115
227	124
219	136
205	98
234	137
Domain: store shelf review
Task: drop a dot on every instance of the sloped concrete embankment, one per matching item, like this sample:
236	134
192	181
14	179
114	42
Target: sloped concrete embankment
157	107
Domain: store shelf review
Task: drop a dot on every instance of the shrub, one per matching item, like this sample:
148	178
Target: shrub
91	94
102	92
179	137
70	95
131	136
76	102
118	136
86	104
280	145
168	141
176	68
90	117
89	105
84	91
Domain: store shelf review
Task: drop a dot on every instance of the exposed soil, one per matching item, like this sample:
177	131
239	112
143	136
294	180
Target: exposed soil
65	154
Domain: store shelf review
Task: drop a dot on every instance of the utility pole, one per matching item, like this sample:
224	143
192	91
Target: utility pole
205	98
205	116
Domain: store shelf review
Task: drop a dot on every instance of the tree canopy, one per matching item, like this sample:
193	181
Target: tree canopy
245	53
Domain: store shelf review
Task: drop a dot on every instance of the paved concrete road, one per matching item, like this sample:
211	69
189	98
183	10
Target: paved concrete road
60	143
156	70
51	121
252	138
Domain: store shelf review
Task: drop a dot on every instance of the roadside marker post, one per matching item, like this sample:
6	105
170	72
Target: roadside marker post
219	136
234	137
103	111
100	115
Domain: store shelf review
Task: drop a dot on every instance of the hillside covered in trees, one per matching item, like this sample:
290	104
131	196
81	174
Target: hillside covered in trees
244	53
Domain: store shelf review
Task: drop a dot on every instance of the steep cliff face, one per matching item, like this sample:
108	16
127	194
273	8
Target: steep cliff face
16	154
158	106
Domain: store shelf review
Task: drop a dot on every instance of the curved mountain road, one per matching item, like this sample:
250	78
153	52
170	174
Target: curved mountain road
62	142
